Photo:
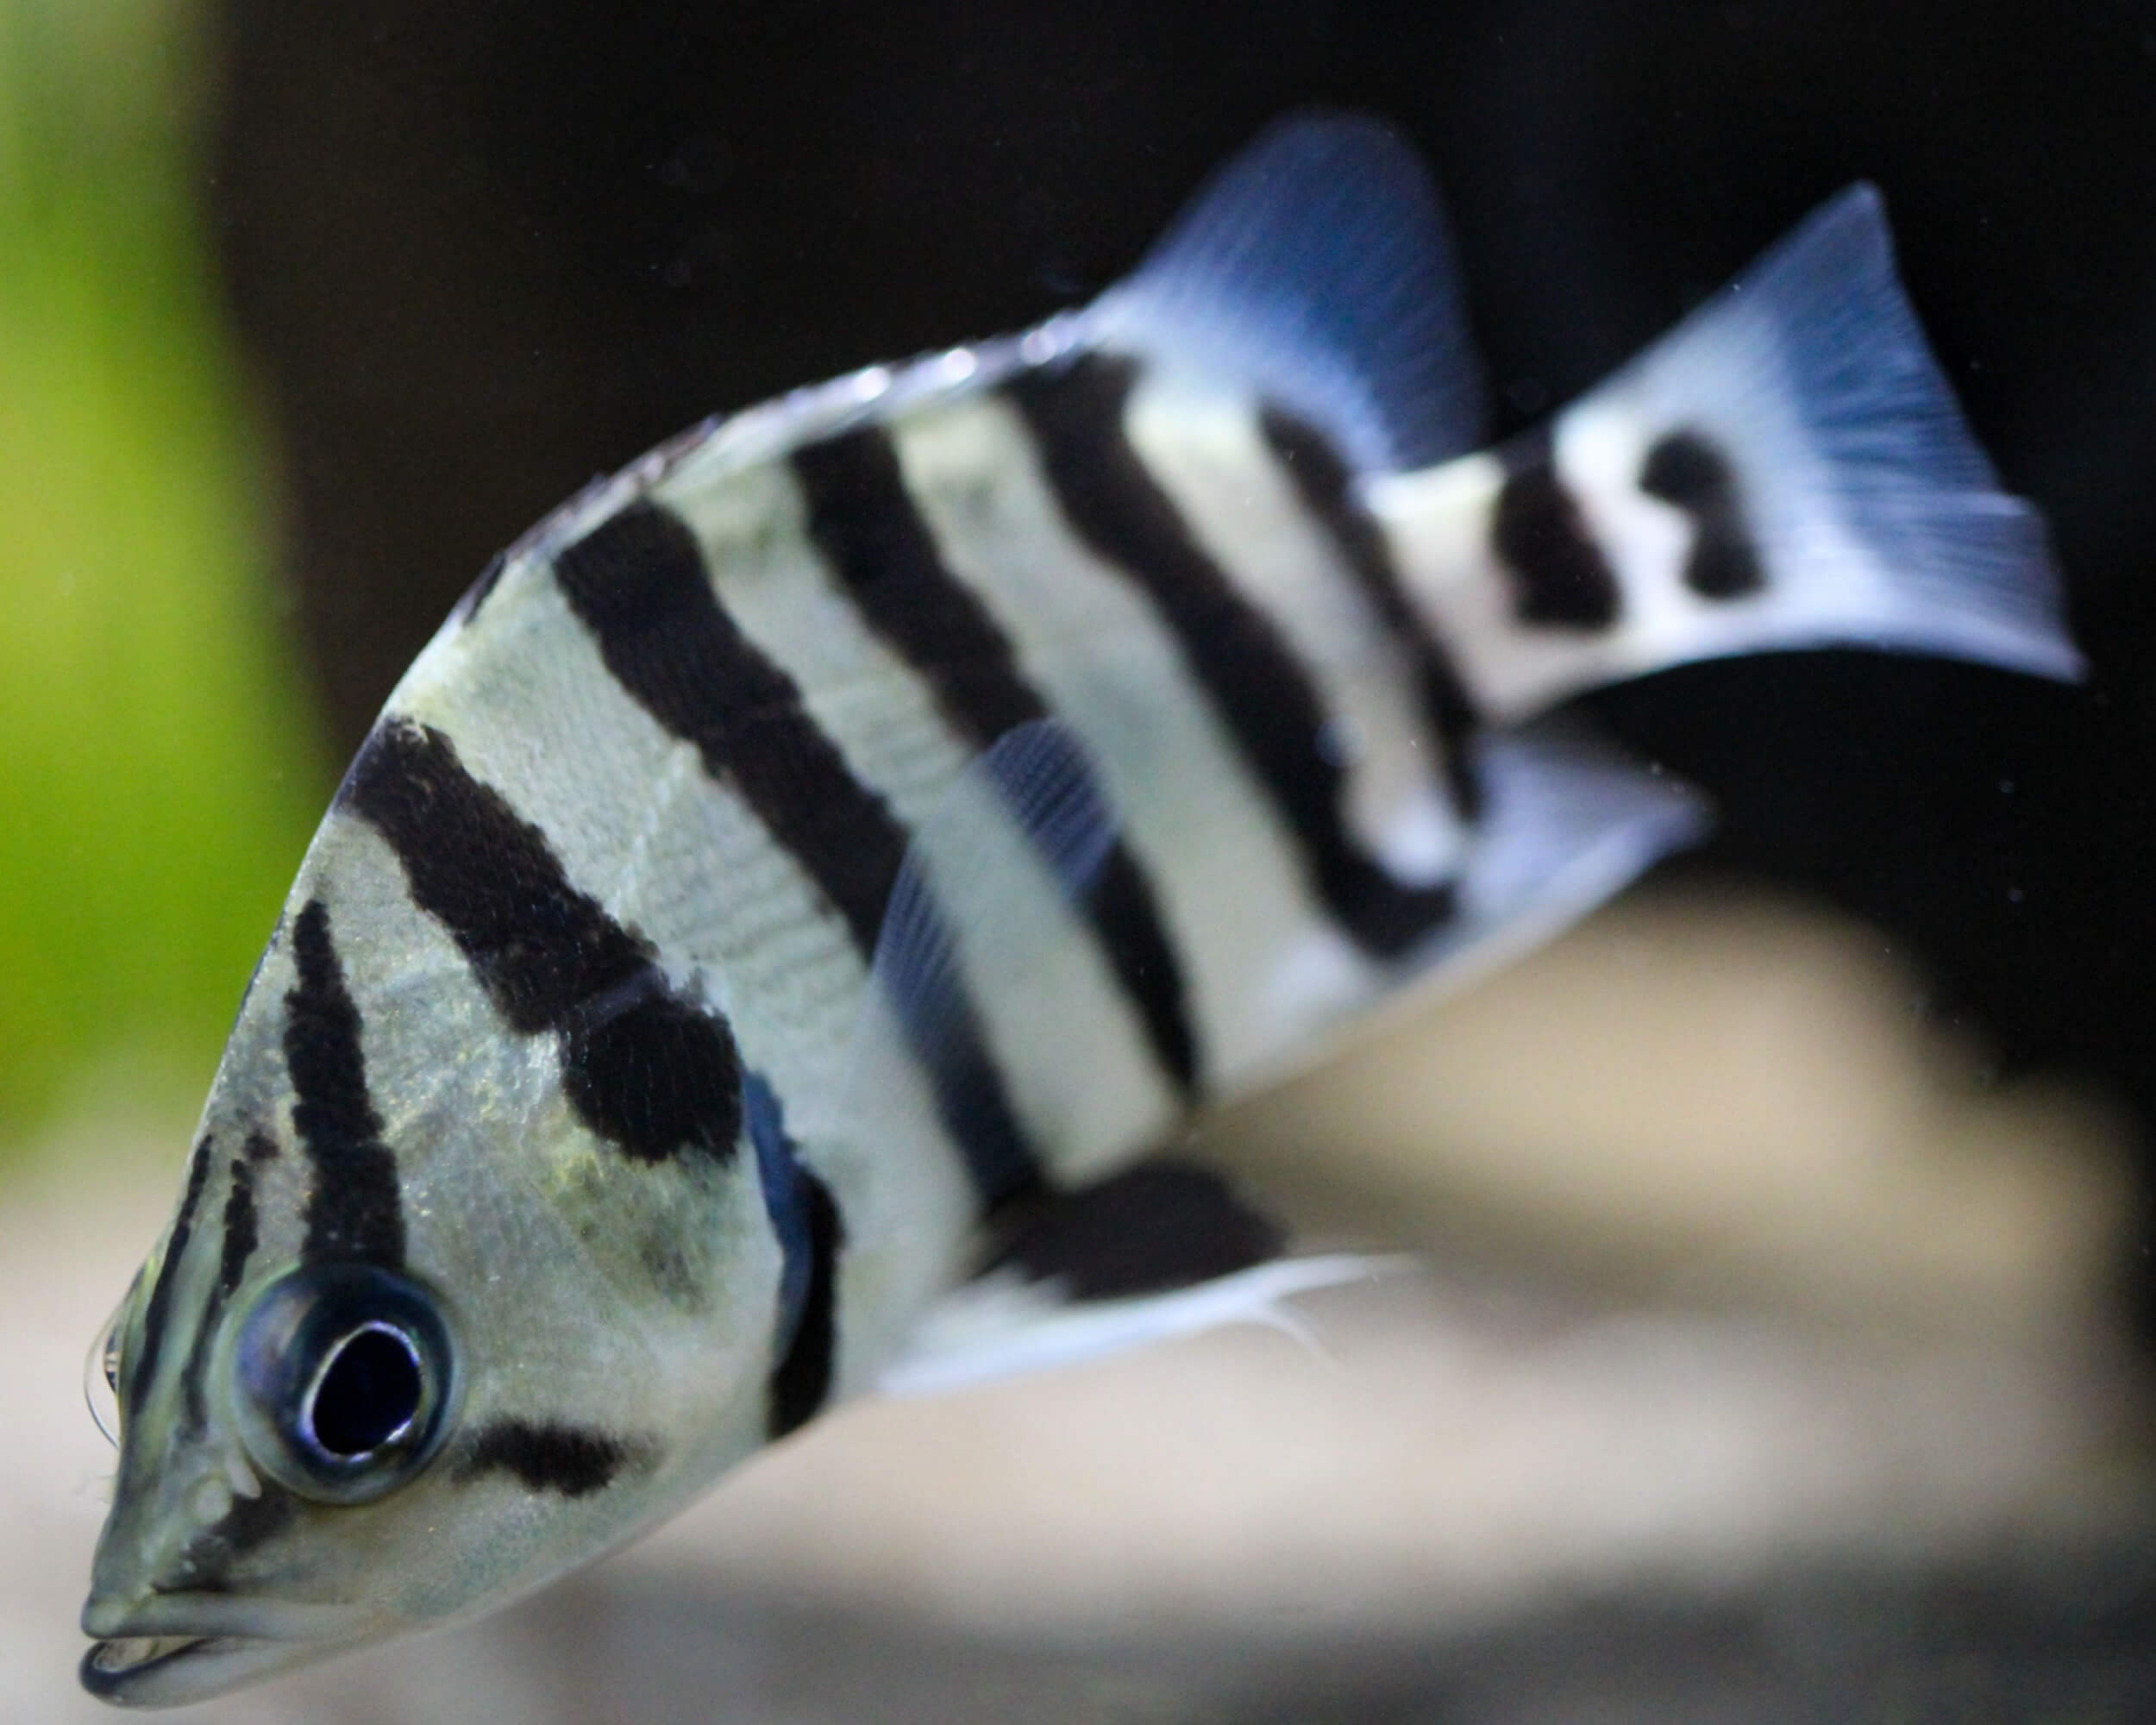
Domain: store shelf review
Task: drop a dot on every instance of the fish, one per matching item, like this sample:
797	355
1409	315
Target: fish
766	950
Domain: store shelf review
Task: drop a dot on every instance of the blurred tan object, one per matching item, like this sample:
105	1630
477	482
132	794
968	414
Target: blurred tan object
1446	1461
1716	1097
1735	1264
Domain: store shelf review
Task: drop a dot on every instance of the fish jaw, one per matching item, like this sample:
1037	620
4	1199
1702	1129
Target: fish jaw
175	1671
170	1649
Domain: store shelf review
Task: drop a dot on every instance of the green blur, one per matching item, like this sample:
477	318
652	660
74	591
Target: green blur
159	771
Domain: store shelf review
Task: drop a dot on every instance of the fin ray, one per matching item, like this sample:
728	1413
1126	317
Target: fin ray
998	1329
1877	519
1316	266
956	873
1569	823
1038	775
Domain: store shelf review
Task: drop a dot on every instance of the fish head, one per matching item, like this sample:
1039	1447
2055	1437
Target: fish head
420	1335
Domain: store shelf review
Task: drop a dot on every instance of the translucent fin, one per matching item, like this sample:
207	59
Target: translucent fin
1833	491
1036	777
1001	1326
1029	805
1316	268
785	1203
1569	823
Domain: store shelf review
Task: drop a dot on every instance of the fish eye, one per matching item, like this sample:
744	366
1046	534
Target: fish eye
342	1381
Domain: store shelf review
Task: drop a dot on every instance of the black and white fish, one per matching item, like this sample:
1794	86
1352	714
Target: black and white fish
749	959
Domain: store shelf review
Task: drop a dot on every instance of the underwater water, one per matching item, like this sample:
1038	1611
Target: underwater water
1784	1349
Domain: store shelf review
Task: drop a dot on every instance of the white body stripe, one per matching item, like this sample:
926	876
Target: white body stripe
1263	961
1438	522
1206	451
1080	1073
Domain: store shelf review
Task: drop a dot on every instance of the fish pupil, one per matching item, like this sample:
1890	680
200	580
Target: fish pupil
368	1393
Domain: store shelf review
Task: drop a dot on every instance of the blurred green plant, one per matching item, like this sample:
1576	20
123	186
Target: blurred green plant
159	769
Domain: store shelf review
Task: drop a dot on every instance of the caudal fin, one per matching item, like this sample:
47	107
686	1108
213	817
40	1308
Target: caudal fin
1786	468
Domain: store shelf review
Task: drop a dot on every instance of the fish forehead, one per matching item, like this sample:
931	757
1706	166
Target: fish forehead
494	1166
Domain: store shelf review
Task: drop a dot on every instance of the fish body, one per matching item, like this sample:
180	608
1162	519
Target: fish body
824	858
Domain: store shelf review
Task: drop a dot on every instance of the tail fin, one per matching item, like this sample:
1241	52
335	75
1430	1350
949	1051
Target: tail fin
1786	468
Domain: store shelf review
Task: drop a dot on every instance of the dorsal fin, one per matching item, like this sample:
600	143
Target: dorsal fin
1316	266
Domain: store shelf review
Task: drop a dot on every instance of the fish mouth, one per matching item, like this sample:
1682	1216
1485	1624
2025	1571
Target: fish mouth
169	1671
162	1660
172	1671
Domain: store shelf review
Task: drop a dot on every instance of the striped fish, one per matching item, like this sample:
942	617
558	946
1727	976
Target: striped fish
768	925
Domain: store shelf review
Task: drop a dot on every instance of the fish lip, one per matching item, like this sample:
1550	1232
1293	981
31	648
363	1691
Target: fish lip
170	1649
192	1668
109	1682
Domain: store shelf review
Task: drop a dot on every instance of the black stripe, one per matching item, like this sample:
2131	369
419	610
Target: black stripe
1159	1226
638	582
353	1212
1326	486
240	1236
805	1220
801	1381
653	1073
1561	579
252	1520
571	1461
1258	688
1685	469
158	1309
864	520
240	1231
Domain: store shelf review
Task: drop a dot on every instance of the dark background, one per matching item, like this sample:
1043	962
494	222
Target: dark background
482	249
